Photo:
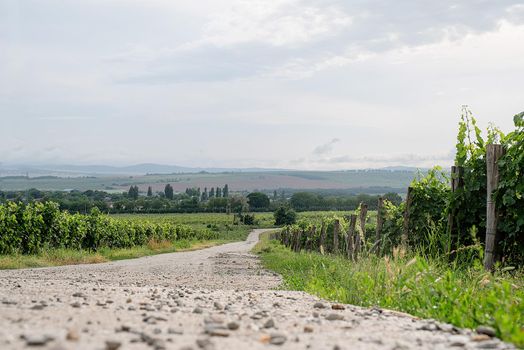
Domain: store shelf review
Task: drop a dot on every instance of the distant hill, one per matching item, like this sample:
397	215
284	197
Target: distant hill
137	169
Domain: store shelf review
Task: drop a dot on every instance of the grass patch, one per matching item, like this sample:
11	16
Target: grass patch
466	297
59	257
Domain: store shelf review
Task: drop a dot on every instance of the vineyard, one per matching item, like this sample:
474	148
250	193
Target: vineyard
437	219
32	228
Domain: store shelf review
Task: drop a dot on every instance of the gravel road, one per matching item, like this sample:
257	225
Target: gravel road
215	298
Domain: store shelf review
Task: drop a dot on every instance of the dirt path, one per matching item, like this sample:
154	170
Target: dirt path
215	298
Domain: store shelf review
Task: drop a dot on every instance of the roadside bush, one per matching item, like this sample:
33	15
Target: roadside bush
285	216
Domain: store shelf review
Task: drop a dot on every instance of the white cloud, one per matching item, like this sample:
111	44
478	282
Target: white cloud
273	22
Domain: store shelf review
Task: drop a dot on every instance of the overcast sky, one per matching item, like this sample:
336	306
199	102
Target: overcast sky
331	84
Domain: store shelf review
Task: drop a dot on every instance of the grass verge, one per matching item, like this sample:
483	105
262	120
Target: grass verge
466	297
58	257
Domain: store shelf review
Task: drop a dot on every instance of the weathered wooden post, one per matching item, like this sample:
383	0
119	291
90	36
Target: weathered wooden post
380	224
322	246
493	154
457	181
361	236
405	228
351	236
311	238
336	232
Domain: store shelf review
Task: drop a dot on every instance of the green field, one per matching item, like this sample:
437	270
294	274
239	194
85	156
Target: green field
223	221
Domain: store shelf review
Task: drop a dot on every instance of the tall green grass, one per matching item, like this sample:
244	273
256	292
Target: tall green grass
422	286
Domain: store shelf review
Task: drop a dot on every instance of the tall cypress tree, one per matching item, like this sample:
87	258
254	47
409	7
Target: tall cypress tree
168	191
149	192
225	192
212	192
219	192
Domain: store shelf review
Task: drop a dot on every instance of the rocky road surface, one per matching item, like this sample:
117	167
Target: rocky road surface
215	298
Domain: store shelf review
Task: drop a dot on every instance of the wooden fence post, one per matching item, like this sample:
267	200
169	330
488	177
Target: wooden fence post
360	237
351	236
336	231
457	181
312	235
380	224
493	153
405	228
322	246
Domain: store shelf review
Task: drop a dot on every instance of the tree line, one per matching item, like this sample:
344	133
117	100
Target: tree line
192	200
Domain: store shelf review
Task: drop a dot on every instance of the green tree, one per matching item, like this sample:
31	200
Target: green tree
284	216
149	192
205	195
258	201
225	192
212	192
133	192
168	191
393	198
219	192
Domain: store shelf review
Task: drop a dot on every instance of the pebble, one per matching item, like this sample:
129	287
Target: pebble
37	340
72	335
76	305
113	345
334	317
197	310
204	343
458	340
233	326
489	331
319	305
269	323
277	339
308	329
178	331
338	307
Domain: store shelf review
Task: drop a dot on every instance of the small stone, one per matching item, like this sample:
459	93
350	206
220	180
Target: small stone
308	329
277	339
38	307
334	317
233	326
37	340
480	337
113	345
197	310
217	330
269	323
319	305
489	331
76	305
72	335
488	345
218	306
178	331
79	295
204	343
458	341
338	307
